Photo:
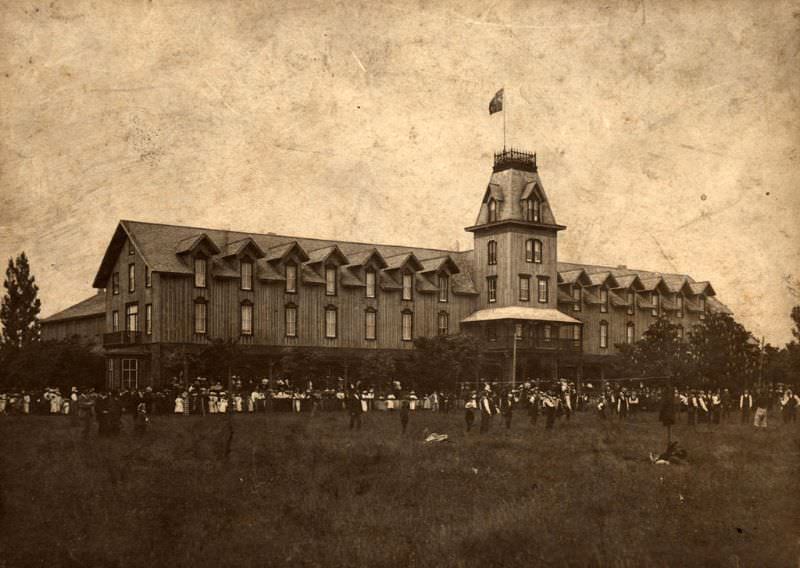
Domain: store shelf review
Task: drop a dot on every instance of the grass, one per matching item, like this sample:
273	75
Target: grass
302	491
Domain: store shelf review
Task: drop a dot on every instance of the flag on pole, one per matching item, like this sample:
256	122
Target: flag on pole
496	104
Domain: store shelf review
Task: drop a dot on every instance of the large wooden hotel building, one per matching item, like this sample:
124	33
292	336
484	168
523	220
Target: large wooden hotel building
167	290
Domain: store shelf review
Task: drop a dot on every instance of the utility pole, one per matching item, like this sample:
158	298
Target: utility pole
517	337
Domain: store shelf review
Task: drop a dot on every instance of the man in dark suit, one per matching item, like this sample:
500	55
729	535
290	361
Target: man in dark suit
354	408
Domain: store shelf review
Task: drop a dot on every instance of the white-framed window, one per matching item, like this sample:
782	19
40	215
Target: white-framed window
577	333
200	272
630	333
407	325
131	277
371	284
491	289
330	322
656	304
200	317
491	331
246	274
443	323
246	318
148	319
524	288
543	289
603	334
130	374
577	296
408	286
492	210
631	300
603	300
330	280
370	324
290	320
290	272
444	288
533	208
115	283
547	332
679	302
115	320
491	252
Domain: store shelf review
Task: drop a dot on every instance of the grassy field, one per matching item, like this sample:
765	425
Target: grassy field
302	491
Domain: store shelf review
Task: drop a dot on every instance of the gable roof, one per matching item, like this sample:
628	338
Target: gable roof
445	263
326	253
281	252
94	306
236	248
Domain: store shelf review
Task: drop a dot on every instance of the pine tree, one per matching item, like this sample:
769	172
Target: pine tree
19	311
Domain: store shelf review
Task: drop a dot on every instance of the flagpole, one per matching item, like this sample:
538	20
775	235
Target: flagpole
505	111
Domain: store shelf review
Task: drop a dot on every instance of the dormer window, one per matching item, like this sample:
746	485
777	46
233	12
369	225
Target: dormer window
330	280
492	210
630	298
703	308
656	304
491	252
577	297
444	288
603	300
246	274
679	304
200	272
408	286
371	289
533	209
290	272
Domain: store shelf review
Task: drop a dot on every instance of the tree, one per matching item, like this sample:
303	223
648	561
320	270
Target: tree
377	367
660	353
445	361
19	311
725	353
61	364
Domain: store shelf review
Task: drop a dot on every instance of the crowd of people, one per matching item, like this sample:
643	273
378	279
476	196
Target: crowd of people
551	400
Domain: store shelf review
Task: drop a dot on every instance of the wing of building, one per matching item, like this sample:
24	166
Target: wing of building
168	290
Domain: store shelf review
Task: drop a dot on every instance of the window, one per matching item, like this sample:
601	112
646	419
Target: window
408	286
371	284
130	374
330	280
524	288
115	283
492	210
330	322
444	288
577	296
533	251
131	278
131	250
603	300
246	318
603	334
543	289
533	209
110	374
491	331
200	317
491	252
631	299
246	275
115	320
200	272
547	332
680	332
370	320
703	308
290	319
148	277
443	323
679	302
491	289
630	333
577	334
148	319
656	304
407	326
290	271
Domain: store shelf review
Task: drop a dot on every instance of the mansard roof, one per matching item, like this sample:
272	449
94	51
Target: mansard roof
88	308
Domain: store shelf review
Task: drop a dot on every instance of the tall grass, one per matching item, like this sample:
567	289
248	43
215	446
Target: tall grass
302	491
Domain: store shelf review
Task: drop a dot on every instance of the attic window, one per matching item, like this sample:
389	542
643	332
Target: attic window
370	284
291	278
246	274
603	300
492	210
330	280
631	301
444	288
408	286
200	272
533	210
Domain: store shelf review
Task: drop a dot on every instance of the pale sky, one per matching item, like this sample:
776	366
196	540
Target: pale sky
667	133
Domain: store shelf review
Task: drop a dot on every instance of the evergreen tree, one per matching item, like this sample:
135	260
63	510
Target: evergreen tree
726	354
660	353
19	312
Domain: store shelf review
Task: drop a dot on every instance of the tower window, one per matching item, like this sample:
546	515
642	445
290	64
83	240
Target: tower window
492	210
444	288
543	289
603	334
491	289
491	250
524	288
408	286
533	209
533	251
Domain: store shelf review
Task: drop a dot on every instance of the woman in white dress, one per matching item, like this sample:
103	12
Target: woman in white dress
213	406
222	403
180	405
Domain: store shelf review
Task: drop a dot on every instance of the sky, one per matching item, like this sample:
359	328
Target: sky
667	133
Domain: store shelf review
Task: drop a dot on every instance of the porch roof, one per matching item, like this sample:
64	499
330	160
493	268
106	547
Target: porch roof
520	313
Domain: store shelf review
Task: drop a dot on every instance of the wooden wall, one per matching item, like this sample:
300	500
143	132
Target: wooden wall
87	329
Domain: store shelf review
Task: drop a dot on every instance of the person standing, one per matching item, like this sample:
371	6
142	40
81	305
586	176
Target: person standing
355	409
726	405
405	410
469	411
623	405
789	407
745	406
486	412
86	412
550	409
507	409
534	402
762	404
716	407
